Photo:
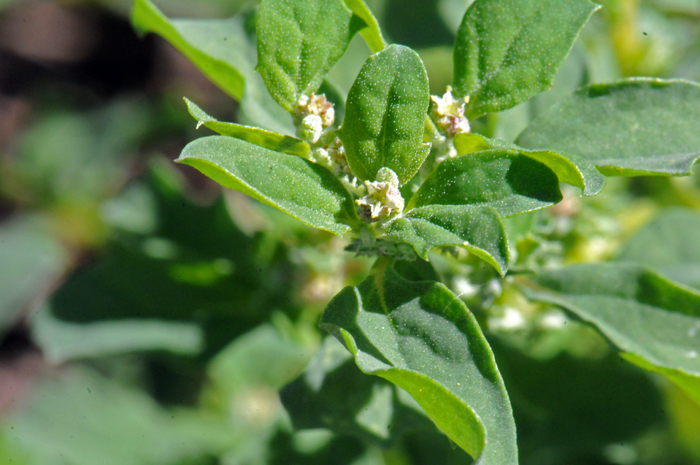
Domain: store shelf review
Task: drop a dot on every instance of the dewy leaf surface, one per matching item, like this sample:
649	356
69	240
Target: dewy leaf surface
385	115
670	244
215	46
478	229
372	34
298	187
509	50
502	179
655	320
639	126
421	337
267	139
570	169
298	42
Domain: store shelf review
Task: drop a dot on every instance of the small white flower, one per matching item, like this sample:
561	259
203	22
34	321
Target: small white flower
448	113
352	184
310	129
316	105
383	196
322	157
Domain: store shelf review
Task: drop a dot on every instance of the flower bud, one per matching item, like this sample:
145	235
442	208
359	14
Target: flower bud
310	129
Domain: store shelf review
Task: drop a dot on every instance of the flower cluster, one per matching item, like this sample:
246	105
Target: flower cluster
312	115
383	200
448	114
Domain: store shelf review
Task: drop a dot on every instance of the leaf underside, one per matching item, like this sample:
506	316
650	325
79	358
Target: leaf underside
217	47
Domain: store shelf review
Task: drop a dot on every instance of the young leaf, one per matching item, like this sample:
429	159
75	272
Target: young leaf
509	50
421	337
476	228
570	169
670	244
503	179
372	34
638	310
298	42
638	126
333	393
263	138
385	115
298	187
217	47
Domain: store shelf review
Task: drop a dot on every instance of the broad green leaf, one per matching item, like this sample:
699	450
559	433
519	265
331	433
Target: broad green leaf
638	310
187	282
502	179
670	244
263	358
298	42
216	47
30	259
638	126
372	33
570	169
298	187
243	383
333	393
385	115
421	337
581	404
82	418
263	138
509	50
478	229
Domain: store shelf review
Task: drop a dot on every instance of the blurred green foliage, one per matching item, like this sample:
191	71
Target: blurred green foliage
170	316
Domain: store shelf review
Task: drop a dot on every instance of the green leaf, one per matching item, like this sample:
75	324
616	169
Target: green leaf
570	169
690	384
262	357
638	310
620	402
332	393
85	419
298	187
298	42
421	337
670	244
372	34
509	50
638	126
30	260
263	138
476	228
385	115
186	281
216	47
502	179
